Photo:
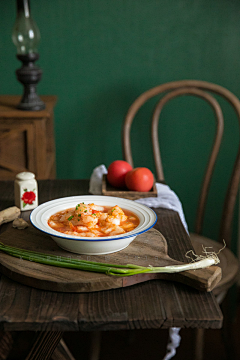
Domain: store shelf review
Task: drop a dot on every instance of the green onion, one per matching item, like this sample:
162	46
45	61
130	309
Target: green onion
109	269
70	218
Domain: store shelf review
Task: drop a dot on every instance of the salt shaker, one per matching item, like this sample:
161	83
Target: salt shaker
26	191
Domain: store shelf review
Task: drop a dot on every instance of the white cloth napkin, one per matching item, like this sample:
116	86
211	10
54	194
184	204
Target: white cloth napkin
166	198
95	186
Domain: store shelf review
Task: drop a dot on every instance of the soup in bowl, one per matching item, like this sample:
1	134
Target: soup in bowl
92	224
91	220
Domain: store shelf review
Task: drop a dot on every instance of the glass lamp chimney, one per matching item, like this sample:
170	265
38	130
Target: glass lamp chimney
25	34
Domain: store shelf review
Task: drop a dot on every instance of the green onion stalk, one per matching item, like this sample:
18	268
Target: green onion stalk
109	269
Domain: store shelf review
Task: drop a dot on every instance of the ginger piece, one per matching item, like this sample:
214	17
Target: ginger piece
9	214
20	223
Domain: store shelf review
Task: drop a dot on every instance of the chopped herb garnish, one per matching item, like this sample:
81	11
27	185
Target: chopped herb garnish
70	218
85	210
79	214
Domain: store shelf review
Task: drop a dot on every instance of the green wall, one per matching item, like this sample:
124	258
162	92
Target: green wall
98	56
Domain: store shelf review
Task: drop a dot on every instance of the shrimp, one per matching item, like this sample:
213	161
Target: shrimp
118	213
128	226
114	217
82	215
96	232
83	209
69	232
107	228
113	220
88	220
81	228
67	215
111	229
102	216
52	223
88	234
118	230
96	207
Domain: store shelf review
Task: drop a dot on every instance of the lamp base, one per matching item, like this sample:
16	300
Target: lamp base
30	101
29	75
26	107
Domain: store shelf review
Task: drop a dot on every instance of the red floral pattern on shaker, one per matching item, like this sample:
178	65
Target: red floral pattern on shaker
28	197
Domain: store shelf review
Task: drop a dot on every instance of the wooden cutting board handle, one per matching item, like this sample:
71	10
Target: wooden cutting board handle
201	279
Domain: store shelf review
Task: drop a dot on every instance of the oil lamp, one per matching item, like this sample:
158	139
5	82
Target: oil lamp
26	36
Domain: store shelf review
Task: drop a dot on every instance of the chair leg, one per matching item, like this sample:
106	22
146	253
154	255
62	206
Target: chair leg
95	345
199	344
44	345
6	343
62	352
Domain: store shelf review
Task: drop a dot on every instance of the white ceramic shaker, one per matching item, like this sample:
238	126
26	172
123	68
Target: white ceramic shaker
26	191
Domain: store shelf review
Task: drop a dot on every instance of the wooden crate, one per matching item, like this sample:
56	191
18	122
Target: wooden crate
109	190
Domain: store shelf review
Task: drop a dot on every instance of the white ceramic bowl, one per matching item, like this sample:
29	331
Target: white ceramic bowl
87	245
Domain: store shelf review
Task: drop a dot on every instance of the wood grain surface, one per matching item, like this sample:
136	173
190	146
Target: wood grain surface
147	249
149	305
27	141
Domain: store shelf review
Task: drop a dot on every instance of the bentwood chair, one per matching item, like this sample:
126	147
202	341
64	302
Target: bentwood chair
204	90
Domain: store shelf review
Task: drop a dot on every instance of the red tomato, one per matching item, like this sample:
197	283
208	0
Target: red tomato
117	171
139	179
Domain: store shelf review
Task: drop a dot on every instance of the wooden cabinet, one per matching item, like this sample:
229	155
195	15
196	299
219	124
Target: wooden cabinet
26	139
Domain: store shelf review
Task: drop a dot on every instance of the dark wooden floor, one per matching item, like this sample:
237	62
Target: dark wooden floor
143	344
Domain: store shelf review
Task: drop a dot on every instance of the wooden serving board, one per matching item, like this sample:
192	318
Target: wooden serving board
149	248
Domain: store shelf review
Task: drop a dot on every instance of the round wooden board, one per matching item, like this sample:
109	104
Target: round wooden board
149	248
141	251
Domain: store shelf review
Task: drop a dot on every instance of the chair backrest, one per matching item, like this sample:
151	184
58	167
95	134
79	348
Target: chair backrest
203	90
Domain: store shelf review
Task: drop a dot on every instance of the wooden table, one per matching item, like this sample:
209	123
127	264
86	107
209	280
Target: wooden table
149	305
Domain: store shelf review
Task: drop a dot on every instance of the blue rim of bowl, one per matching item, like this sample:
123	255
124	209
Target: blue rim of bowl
128	235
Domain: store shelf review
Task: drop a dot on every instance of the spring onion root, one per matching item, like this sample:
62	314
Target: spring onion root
198	262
